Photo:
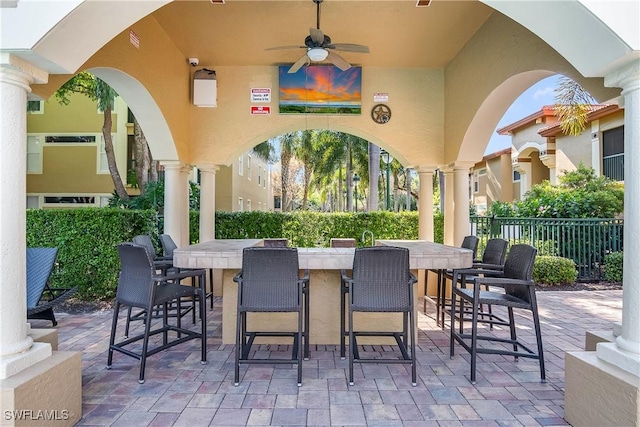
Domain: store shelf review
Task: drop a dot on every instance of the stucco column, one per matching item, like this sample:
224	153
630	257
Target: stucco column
448	206
425	203
625	352
17	349
461	225
174	185
207	202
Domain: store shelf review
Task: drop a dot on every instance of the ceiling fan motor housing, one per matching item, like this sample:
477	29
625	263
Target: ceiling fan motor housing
308	41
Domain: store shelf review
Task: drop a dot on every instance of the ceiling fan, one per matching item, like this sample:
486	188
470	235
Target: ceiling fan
319	47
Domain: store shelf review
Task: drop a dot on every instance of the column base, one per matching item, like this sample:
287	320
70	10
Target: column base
613	354
599	393
45	335
13	365
592	338
47	393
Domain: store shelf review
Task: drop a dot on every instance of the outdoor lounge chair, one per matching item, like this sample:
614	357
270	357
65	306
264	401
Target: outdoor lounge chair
41	298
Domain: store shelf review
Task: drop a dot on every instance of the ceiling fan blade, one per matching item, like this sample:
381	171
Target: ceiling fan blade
299	63
338	61
349	47
287	47
316	35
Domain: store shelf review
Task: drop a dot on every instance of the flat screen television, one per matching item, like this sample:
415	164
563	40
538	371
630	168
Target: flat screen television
320	89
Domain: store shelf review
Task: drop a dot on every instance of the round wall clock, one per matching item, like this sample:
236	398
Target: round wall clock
381	113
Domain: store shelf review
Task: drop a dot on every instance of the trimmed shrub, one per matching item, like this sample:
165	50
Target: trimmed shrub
554	270
86	239
613	267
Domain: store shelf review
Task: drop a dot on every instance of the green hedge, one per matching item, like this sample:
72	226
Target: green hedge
554	270
86	240
315	229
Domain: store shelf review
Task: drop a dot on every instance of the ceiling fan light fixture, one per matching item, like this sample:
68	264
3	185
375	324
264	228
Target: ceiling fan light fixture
317	54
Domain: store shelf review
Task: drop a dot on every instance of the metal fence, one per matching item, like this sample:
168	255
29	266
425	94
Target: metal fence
585	241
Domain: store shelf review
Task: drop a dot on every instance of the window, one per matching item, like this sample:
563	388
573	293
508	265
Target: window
70	139
35	107
85	200
34	154
240	166
33	202
516	176
240	204
482	172
277	202
103	165
248	205
613	153
476	185
259	175
249	167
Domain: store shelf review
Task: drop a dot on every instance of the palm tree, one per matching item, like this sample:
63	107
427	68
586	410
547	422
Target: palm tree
287	148
573	103
307	153
99	91
374	172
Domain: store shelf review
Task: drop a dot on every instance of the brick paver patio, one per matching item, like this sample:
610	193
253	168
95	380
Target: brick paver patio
179	391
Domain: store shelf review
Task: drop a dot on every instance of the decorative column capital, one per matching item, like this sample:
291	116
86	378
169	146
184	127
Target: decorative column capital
457	165
17	71
626	77
422	169
175	165
208	168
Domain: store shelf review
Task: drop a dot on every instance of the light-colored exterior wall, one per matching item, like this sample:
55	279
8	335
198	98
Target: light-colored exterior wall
572	150
74	169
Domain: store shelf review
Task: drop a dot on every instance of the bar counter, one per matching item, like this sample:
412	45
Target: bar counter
324	265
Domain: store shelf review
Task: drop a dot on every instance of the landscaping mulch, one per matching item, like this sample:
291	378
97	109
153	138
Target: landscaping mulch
582	286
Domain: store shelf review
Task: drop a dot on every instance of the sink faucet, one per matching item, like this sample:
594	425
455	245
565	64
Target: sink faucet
364	236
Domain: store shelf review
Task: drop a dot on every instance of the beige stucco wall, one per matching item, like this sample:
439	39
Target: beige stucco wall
69	169
414	137
572	150
224	193
73	168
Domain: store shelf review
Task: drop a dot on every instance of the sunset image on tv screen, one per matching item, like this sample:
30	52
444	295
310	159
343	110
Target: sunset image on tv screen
322	89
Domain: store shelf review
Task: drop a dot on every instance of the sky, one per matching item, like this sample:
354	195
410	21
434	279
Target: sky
532	100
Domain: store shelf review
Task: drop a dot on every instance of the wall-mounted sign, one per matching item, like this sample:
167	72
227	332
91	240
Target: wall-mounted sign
260	94
260	111
380	97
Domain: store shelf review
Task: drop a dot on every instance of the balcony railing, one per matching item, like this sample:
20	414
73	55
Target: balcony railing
613	167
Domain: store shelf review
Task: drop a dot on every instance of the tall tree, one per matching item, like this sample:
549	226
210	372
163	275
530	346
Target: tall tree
144	161
287	148
306	153
374	173
99	91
